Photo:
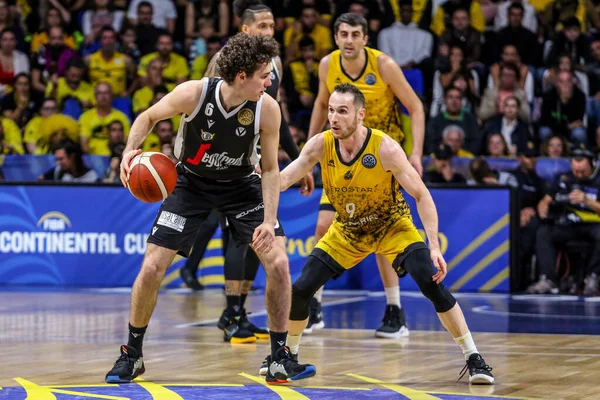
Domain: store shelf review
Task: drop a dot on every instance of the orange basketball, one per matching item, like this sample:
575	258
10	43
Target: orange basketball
152	177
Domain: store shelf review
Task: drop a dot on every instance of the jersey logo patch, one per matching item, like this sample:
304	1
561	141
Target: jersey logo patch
370	79
206	136
210	123
331	163
239	131
369	161
245	116
348	175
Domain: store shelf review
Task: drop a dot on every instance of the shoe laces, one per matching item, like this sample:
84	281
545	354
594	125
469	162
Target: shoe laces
125	359
474	364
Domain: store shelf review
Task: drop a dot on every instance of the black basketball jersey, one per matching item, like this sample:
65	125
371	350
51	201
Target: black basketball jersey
275	81
217	144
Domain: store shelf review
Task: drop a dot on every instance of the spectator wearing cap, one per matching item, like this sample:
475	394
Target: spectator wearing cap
531	191
442	171
571	211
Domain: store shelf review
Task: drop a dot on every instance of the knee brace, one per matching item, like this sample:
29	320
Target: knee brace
252	263
314	275
235	262
418	264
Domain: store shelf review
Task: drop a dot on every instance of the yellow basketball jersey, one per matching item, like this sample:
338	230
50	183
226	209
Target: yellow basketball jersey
113	72
365	196
380	104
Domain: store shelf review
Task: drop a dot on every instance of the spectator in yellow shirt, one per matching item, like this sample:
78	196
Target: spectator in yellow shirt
54	17
109	65
143	97
307	26
49	128
10	137
94	122
161	134
213	45
174	67
72	85
443	15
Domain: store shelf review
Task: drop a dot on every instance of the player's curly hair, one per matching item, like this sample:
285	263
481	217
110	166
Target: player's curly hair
246	9
245	53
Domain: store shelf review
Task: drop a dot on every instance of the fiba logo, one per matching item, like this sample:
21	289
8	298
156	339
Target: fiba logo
369	161
54	221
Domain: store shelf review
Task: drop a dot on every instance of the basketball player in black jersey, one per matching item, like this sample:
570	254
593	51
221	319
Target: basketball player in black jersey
242	265
221	123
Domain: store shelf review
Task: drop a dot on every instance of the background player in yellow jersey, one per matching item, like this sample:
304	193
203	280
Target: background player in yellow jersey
363	170
379	78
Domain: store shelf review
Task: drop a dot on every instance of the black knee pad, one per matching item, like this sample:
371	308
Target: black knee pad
314	275
235	262
252	264
418	264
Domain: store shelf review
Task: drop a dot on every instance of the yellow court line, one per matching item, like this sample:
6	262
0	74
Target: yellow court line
215	244
409	393
212	280
481	265
285	393
35	392
158	392
485	235
496	280
92	395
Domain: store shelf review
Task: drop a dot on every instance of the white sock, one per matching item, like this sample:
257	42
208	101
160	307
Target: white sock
293	342
466	344
319	295
392	295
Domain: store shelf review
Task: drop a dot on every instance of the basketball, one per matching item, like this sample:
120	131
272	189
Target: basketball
152	177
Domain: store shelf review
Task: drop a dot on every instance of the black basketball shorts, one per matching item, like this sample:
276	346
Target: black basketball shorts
193	199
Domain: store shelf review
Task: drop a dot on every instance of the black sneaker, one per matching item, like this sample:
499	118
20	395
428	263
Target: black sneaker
264	367
315	317
233	332
479	372
190	279
393	325
127	367
260	333
283	368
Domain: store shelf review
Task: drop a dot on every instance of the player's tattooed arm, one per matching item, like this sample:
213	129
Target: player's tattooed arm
212	70
394	159
311	153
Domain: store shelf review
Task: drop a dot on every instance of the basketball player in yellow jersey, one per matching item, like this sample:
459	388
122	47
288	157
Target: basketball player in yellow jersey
363	170
379	78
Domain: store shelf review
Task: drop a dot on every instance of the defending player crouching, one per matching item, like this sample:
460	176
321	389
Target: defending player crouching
363	170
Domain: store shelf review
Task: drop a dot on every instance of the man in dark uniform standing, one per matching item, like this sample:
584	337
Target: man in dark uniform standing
531	191
216	145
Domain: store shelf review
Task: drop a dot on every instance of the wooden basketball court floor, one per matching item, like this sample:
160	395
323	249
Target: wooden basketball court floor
60	344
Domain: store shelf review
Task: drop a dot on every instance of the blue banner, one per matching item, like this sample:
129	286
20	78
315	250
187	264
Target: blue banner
95	236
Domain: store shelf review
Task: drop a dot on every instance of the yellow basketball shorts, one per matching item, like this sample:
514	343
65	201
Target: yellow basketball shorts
341	252
324	203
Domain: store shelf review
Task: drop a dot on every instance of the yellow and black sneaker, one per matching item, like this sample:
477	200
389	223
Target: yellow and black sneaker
233	331
260	333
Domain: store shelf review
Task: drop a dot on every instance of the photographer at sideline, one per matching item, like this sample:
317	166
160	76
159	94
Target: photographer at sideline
570	210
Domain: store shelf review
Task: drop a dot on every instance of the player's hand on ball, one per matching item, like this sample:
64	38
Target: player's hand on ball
263	238
308	185
125	167
440	264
